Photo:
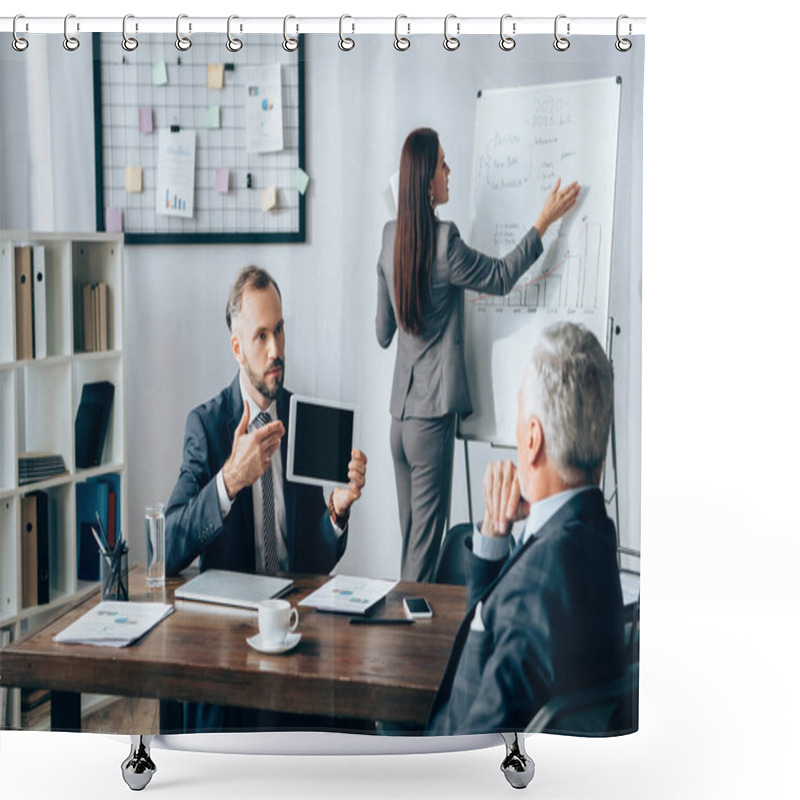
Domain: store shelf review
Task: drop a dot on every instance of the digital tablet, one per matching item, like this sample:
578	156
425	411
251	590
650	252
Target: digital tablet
321	436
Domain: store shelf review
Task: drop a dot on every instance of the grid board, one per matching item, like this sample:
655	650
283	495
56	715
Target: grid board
123	83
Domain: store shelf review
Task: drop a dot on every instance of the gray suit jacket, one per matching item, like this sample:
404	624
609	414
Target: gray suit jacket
547	621
430	375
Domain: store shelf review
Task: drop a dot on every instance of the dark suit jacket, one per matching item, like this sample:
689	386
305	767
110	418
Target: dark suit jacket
430	373
552	623
193	519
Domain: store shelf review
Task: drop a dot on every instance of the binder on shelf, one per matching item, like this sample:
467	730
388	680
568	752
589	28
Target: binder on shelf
35	550
111	520
5	639
91	501
29	546
88	318
91	423
39	303
102	316
24	301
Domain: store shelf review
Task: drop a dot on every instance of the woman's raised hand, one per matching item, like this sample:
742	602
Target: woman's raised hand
558	202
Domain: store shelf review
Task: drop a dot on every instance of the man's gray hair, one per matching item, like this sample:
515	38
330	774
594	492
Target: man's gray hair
569	387
250	277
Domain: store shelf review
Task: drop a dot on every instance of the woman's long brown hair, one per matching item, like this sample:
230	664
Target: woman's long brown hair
415	240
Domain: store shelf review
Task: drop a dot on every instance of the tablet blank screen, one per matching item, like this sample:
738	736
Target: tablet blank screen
323	439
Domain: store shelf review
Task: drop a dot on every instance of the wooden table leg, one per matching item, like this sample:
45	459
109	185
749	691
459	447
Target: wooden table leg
65	711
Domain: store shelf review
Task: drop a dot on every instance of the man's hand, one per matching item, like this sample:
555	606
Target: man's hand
251	453
357	475
504	502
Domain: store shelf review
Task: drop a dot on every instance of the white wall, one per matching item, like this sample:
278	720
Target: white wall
358	110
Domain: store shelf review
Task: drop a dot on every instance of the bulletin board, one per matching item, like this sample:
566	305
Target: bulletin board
238	195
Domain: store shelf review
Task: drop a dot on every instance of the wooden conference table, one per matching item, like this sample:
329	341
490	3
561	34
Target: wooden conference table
199	653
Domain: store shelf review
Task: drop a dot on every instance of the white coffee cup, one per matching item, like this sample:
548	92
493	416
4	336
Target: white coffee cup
276	620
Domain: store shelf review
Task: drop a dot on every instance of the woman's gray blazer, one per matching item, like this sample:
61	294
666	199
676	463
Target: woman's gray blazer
430	375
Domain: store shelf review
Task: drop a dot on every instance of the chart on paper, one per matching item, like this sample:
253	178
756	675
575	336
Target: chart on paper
526	139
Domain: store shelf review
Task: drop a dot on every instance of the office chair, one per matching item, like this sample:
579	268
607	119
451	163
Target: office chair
450	564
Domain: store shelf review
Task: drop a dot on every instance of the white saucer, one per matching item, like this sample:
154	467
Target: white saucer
257	643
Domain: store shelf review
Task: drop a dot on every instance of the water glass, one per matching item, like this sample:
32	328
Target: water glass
155	531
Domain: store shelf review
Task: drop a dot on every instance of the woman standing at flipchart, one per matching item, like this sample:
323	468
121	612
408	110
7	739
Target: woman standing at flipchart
423	270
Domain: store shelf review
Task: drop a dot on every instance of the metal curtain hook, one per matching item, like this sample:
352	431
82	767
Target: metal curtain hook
400	42
345	42
623	45
451	42
183	43
561	43
70	42
233	44
128	42
289	44
507	42
18	43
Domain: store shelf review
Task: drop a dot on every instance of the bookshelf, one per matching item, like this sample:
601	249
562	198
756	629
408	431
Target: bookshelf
39	399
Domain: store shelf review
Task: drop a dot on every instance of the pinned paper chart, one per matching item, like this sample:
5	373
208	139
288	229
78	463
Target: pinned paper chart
264	109
175	182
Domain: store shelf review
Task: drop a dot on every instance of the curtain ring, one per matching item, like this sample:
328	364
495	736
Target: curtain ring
451	42
623	45
400	42
561	43
233	44
345	42
128	42
18	43
507	42
70	42
289	44
183	43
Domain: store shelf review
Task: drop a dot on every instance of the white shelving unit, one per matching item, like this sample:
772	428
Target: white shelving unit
39	401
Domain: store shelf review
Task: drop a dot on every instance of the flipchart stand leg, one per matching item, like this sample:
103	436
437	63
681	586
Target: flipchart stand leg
517	766
138	768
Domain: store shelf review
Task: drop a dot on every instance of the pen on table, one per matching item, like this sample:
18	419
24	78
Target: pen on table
381	621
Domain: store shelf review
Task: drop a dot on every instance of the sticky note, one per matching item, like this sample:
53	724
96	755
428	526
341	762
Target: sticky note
301	180
145	119
222	180
133	179
269	198
215	76
160	73
212	116
113	220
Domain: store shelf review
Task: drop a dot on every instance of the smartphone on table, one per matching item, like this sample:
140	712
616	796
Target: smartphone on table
417	608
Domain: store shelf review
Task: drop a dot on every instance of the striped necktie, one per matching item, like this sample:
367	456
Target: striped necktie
268	509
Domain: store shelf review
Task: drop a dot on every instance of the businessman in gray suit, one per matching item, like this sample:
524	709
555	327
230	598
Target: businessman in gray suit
546	619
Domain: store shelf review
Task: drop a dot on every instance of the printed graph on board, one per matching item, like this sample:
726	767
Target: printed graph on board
134	104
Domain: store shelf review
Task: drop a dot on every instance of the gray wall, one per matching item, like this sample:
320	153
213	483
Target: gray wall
359	107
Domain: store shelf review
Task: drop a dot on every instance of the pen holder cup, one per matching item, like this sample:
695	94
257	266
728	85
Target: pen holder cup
114	576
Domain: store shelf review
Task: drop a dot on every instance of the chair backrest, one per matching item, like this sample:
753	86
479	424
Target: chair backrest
607	710
450	564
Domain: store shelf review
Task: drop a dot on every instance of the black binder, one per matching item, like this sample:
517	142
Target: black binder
91	423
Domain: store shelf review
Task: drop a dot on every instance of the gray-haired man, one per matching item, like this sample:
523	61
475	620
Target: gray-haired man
548	618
